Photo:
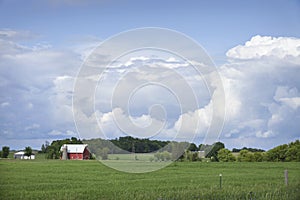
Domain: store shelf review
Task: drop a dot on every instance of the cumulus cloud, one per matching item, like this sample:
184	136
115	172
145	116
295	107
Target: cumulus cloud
266	46
117	121
260	81
262	95
35	95
195	123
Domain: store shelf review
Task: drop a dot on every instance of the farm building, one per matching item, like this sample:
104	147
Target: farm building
21	155
75	152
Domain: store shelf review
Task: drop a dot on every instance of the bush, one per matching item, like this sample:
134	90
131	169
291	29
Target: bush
104	153
245	156
191	156
224	155
162	156
92	156
258	156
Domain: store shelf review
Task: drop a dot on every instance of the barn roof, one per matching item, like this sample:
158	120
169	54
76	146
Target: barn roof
74	148
20	153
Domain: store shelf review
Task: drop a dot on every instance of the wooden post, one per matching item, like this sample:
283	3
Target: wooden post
286	177
220	181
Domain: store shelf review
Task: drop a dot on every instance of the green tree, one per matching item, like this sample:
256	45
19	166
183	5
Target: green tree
193	147
258	156
28	152
293	152
224	155
157	156
53	152
178	149
213	151
278	153
104	153
245	156
5	152
43	148
166	156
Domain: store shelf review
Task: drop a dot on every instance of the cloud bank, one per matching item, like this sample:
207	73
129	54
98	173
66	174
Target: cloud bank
261	83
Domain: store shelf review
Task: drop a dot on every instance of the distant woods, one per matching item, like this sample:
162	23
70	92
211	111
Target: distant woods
171	150
282	153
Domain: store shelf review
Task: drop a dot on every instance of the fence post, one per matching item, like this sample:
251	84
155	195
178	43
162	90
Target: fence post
220	181
286	177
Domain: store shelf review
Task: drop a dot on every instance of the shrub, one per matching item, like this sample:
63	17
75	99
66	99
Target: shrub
224	155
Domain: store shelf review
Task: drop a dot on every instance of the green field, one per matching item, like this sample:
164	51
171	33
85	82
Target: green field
56	179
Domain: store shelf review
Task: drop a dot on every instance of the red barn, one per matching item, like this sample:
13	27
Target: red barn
75	152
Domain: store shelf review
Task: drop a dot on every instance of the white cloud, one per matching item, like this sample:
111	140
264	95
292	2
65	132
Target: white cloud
265	46
194	123
9	34
67	133
140	126
32	127
266	134
293	103
37	81
5	104
261	86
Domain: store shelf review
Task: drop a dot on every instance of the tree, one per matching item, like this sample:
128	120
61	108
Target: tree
258	156
213	151
104	153
5	152
178	149
166	156
293	152
249	149
53	152
43	148
28	152
278	153
245	156
224	155
193	147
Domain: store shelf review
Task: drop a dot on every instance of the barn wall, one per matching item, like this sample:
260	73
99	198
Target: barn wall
75	156
86	154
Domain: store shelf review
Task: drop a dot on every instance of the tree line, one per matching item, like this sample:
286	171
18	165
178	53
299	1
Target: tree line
182	151
281	153
170	150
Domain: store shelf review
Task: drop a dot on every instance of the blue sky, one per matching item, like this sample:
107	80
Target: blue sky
216	25
43	44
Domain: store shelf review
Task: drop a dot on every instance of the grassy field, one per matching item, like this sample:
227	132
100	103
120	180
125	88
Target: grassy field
56	179
139	156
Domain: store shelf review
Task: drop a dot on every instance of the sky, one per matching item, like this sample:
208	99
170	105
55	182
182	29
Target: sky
255	46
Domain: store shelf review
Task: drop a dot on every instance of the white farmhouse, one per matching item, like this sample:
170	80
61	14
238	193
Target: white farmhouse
21	155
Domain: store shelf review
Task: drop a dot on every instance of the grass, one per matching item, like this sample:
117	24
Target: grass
56	179
133	156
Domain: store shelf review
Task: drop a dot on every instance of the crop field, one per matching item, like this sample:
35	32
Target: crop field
56	179
138	156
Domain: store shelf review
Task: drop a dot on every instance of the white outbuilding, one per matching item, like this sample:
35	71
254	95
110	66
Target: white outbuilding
21	155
